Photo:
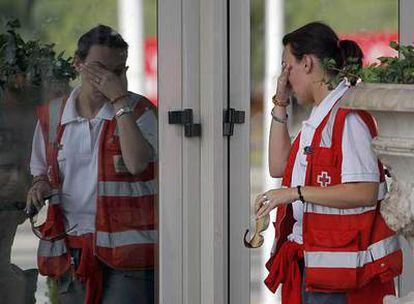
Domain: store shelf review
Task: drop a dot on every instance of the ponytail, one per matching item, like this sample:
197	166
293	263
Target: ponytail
351	52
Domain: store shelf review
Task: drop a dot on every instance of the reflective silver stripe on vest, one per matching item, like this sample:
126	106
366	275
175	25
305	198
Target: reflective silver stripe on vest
327	259
130	237
385	247
134	189
313	208
51	249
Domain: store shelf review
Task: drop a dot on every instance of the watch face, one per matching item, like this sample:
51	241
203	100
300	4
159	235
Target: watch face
123	110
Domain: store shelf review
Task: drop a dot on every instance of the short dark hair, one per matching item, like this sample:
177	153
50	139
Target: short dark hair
99	35
319	39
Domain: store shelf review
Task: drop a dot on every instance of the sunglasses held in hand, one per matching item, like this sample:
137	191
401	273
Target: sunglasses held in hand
32	212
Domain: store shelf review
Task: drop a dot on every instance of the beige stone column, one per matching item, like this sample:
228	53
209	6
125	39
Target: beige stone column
393	107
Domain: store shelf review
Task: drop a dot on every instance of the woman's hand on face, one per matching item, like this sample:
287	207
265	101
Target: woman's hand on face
269	200
107	82
283	86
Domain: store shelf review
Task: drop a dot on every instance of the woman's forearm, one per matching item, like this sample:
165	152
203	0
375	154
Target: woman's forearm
343	196
279	145
136	151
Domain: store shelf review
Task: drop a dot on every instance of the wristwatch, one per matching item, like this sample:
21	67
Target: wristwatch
122	111
278	119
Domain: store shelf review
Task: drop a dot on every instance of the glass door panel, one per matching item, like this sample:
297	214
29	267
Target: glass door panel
42	58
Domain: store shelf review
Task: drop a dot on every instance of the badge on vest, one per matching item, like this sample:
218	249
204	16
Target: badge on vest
307	150
57	145
119	164
324	179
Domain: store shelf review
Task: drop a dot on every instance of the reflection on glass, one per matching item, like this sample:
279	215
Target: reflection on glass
77	155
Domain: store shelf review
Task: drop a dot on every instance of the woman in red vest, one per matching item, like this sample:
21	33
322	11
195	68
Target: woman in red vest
331	243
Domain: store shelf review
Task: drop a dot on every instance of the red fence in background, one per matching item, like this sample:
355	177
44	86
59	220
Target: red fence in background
151	69
374	44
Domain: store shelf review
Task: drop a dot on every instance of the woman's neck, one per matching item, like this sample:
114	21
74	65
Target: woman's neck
319	92
87	106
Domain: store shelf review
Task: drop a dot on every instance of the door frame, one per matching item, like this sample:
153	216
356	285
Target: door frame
239	151
193	194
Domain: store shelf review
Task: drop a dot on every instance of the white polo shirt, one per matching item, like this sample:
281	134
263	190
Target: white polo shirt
78	159
359	163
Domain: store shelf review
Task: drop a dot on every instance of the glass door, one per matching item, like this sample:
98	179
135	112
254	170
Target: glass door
87	53
193	168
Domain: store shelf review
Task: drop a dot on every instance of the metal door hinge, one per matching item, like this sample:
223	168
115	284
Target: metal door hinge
231	117
185	118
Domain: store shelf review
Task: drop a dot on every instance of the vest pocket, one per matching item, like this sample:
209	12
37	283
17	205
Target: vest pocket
131	218
325	157
326	169
332	259
325	176
343	240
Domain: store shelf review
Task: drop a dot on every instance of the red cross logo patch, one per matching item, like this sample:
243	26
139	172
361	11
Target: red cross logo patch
323	179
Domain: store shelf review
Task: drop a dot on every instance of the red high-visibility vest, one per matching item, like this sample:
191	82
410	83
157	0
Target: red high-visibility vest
125	234
344	249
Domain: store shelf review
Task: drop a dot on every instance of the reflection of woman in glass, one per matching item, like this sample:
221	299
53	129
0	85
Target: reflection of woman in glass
332	244
97	147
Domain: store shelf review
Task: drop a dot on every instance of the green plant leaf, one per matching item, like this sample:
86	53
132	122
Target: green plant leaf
395	45
389	70
30	62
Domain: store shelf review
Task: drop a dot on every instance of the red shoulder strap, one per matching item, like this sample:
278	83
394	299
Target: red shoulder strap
339	125
50	115
142	105
338	130
373	129
369	121
287	177
43	117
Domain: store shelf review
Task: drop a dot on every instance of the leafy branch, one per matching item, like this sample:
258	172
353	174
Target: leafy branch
389	69
30	63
